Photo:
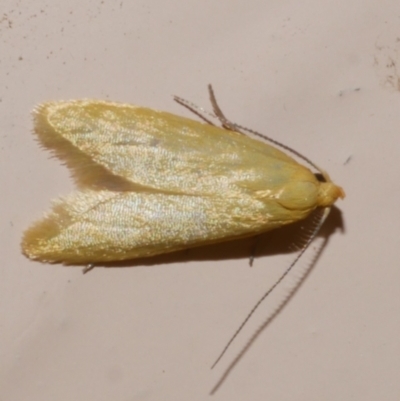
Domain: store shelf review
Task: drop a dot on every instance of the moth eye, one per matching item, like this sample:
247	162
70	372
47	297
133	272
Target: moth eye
320	177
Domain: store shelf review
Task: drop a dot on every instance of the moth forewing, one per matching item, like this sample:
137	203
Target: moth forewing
169	183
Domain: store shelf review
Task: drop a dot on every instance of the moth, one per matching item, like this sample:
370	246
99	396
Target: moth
150	182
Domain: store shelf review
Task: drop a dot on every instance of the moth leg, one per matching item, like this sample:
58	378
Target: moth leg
253	250
87	268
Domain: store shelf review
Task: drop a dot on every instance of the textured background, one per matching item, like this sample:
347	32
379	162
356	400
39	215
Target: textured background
321	76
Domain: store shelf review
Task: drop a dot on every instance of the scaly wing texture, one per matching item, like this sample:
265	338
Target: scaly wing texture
154	182
143	148
94	226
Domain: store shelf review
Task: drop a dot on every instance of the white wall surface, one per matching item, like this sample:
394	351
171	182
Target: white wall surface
322	76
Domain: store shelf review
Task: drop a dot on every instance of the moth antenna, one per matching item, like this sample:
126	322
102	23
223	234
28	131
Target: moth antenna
239	128
199	111
299	280
308	236
227	124
318	223
218	112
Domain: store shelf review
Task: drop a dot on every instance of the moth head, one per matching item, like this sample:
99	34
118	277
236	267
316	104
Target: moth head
328	193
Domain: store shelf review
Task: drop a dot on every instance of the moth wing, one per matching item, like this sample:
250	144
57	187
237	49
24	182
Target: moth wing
99	226
124	147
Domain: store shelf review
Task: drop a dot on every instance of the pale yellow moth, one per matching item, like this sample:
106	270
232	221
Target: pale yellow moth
151	182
